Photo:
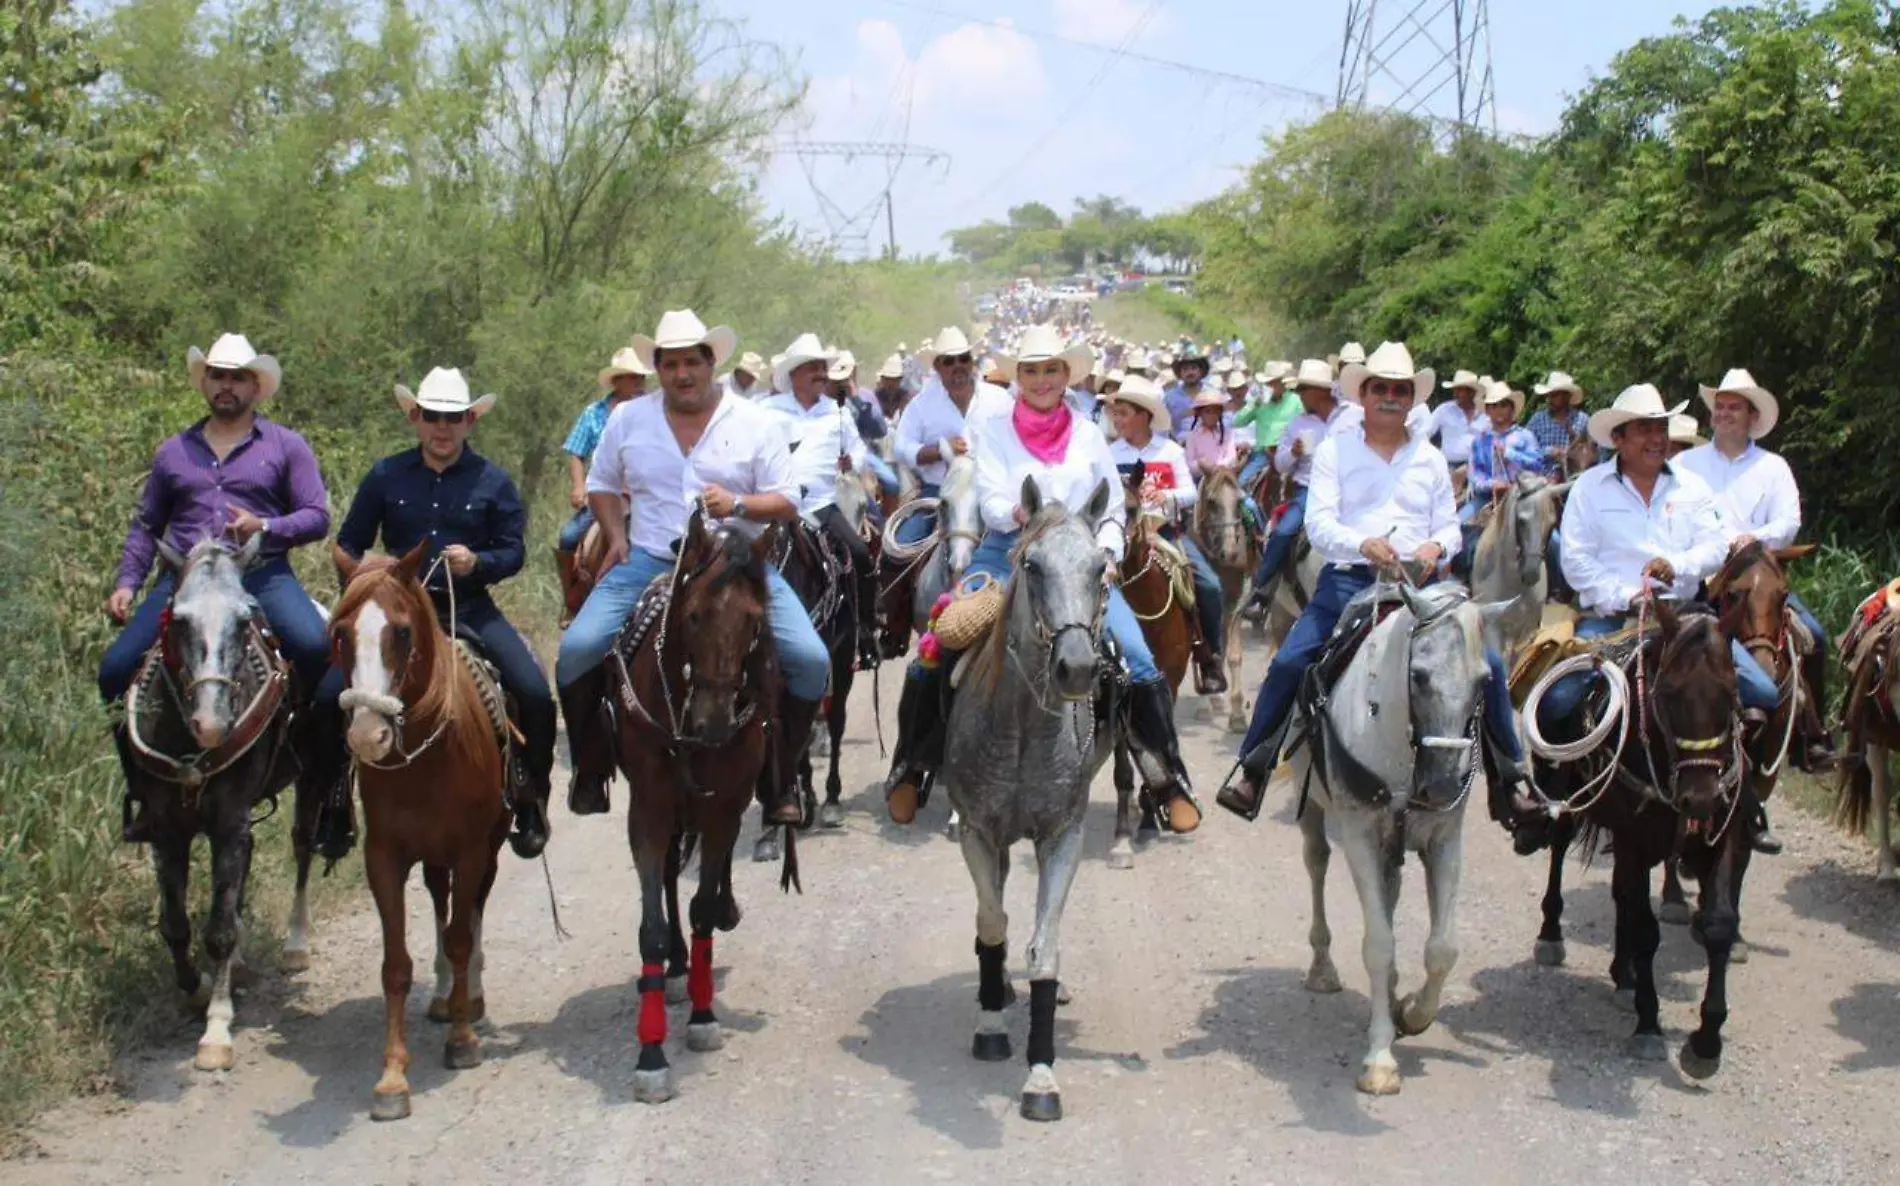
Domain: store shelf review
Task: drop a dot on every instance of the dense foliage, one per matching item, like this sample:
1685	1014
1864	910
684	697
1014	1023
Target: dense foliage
1101	231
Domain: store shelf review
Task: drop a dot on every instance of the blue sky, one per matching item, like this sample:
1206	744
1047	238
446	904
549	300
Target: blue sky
1025	116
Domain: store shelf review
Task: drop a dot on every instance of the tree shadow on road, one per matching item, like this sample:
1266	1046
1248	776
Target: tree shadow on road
1848	898
920	1034
1869	1015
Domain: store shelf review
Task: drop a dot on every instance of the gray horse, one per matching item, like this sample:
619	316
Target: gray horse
1509	564
1399	747
959	531
1021	749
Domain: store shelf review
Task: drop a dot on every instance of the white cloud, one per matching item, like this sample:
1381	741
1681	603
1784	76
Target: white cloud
1107	22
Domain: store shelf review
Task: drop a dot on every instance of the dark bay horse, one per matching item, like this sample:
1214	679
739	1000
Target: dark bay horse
695	696
429	765
208	720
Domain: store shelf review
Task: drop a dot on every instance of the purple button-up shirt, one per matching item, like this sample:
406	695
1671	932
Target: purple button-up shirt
190	495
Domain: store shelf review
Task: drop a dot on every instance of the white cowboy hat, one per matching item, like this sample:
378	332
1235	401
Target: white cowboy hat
1683	430
893	367
1278	368
1165	359
1238	379
1118	377
1641	402
1352	352
1223	366
1313	372
950	340
1740	382
750	363
1040	343
1500	392
1559	381
804	348
233	352
843	365
1141	392
1209	399
626	361
1462	379
442	390
680	328
1390	361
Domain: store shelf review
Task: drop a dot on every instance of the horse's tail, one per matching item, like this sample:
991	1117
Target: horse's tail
1854	786
788	869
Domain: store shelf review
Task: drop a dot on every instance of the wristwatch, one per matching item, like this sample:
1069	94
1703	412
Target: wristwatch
738	507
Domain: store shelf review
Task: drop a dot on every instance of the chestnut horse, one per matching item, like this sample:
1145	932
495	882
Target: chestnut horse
429	766
1167	623
693	696
579	578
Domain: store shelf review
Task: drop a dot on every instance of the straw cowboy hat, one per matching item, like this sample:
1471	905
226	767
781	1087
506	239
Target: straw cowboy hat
1500	392
1207	399
233	352
1040	343
1740	382
1390	361
1238	379
893	367
1463	379
750	363
1117	376
1278	368
1351	352
950	340
1313	372
843	365
1559	381
1140	391
1683	430
442	390
804	348
681	328
626	361
1641	402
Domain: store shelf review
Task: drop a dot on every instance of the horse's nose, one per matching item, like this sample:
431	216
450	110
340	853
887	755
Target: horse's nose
370	736
208	733
1074	667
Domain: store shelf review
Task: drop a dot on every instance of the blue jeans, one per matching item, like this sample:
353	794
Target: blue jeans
918	528
992	557
1280	689
520	673
1257	461
301	632
886	476
1566	695
802	657
1207	594
575	529
1280	543
1808	619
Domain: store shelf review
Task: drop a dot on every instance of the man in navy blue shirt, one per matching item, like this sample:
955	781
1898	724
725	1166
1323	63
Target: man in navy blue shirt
468	511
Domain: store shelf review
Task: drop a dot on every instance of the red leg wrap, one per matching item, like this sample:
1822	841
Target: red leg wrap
652	1029
699	976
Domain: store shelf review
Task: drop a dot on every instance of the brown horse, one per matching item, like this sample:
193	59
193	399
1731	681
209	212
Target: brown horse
582	571
1871	714
1233	547
1168	624
1581	454
693	697
429	766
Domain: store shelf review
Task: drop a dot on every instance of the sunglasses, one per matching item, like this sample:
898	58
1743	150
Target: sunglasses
431	416
1388	387
955	360
223	373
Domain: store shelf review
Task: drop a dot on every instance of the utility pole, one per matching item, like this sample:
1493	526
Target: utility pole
857	226
1426	58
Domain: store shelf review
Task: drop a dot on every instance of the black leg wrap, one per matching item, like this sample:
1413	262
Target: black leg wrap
1042	1022
992	978
652	1057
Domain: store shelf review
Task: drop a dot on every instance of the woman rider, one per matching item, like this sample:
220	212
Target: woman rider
1041	437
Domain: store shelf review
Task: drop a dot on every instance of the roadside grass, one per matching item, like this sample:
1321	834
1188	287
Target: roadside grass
1155	315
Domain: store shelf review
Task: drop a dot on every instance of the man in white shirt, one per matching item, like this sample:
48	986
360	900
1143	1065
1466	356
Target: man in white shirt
1157	466
1378	499
1457	421
654	461
744	380
822	436
951	399
1313	383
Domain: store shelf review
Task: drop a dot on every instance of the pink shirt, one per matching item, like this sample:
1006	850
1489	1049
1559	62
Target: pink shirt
1210	448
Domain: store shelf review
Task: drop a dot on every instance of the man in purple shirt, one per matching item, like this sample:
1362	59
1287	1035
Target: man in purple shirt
232	476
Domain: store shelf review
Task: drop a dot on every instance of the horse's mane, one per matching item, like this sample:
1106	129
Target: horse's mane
986	666
441	696
959	481
1756	552
1490	539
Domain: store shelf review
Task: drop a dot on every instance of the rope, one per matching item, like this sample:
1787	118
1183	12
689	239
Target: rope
1615	717
898	551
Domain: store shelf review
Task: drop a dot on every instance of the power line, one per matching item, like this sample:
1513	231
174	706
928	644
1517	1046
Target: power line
855	228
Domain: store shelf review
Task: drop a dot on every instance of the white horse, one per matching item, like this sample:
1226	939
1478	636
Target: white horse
1509	564
1397	742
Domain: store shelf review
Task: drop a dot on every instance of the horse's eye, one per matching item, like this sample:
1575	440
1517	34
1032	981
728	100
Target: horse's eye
403	636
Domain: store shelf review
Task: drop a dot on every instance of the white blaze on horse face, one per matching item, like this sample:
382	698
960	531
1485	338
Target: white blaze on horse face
371	674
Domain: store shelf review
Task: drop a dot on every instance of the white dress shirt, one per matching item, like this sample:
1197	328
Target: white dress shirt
1002	463
1610	534
933	417
1166	466
741	450
1356	495
1755	492
816	437
731	385
1314	429
1455	430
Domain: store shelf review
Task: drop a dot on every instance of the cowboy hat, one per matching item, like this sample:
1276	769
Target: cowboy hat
1558	381
750	363
1041	343
1390	361
1683	430
1641	402
804	348
626	361
1462	379
1208	399
1313	372
1740	382
1165	359
1140	391
681	328
893	367
1352	352
843	365
1190	357
232	352
950	340
1499	392
1223	366
442	390
1117	377
1278	368
1239	379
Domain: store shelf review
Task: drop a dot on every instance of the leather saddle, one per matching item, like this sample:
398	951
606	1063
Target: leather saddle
1365	611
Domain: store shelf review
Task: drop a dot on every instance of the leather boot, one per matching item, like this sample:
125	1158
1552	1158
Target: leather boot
528	795
134	828
335	833
588	743
779	789
920	717
1209	677
1151	727
1246	797
1817	752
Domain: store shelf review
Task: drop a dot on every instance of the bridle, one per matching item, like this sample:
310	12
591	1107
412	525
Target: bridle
1684	753
1474	723
391	708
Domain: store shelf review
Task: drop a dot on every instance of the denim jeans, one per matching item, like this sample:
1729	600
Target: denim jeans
1207	594
1256	461
886	476
802	658
992	557
575	529
520	673
917	528
1280	542
1566	695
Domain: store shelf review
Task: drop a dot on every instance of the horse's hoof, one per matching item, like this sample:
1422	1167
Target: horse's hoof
462	1056
215	1056
990	1047
1625	999
676	991
653	1087
1121	855
1676	914
767	848
1738	951
1409	1018
391	1106
703	1037
1379	1078
950	831
1042	1105
1550	953
439	1010
1646	1048
831	815
293	961
1323	978
1694	1065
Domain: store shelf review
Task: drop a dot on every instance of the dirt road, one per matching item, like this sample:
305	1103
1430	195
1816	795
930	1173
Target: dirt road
1189	1054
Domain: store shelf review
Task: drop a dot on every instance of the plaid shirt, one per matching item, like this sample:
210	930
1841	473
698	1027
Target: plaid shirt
585	437
1553	433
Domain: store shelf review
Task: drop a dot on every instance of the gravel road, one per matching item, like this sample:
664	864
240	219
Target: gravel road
1190	1053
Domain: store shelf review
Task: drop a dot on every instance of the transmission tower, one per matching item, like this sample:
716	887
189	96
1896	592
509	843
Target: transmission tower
1427	58
854	228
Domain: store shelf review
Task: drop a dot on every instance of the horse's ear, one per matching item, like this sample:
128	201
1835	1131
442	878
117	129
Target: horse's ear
1032	497
411	563
1420	607
251	552
1667	617
1797	552
170	557
1097	504
765	544
696	533
346	565
1491	611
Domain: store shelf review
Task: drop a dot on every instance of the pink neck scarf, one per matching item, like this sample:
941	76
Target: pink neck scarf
1044	434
